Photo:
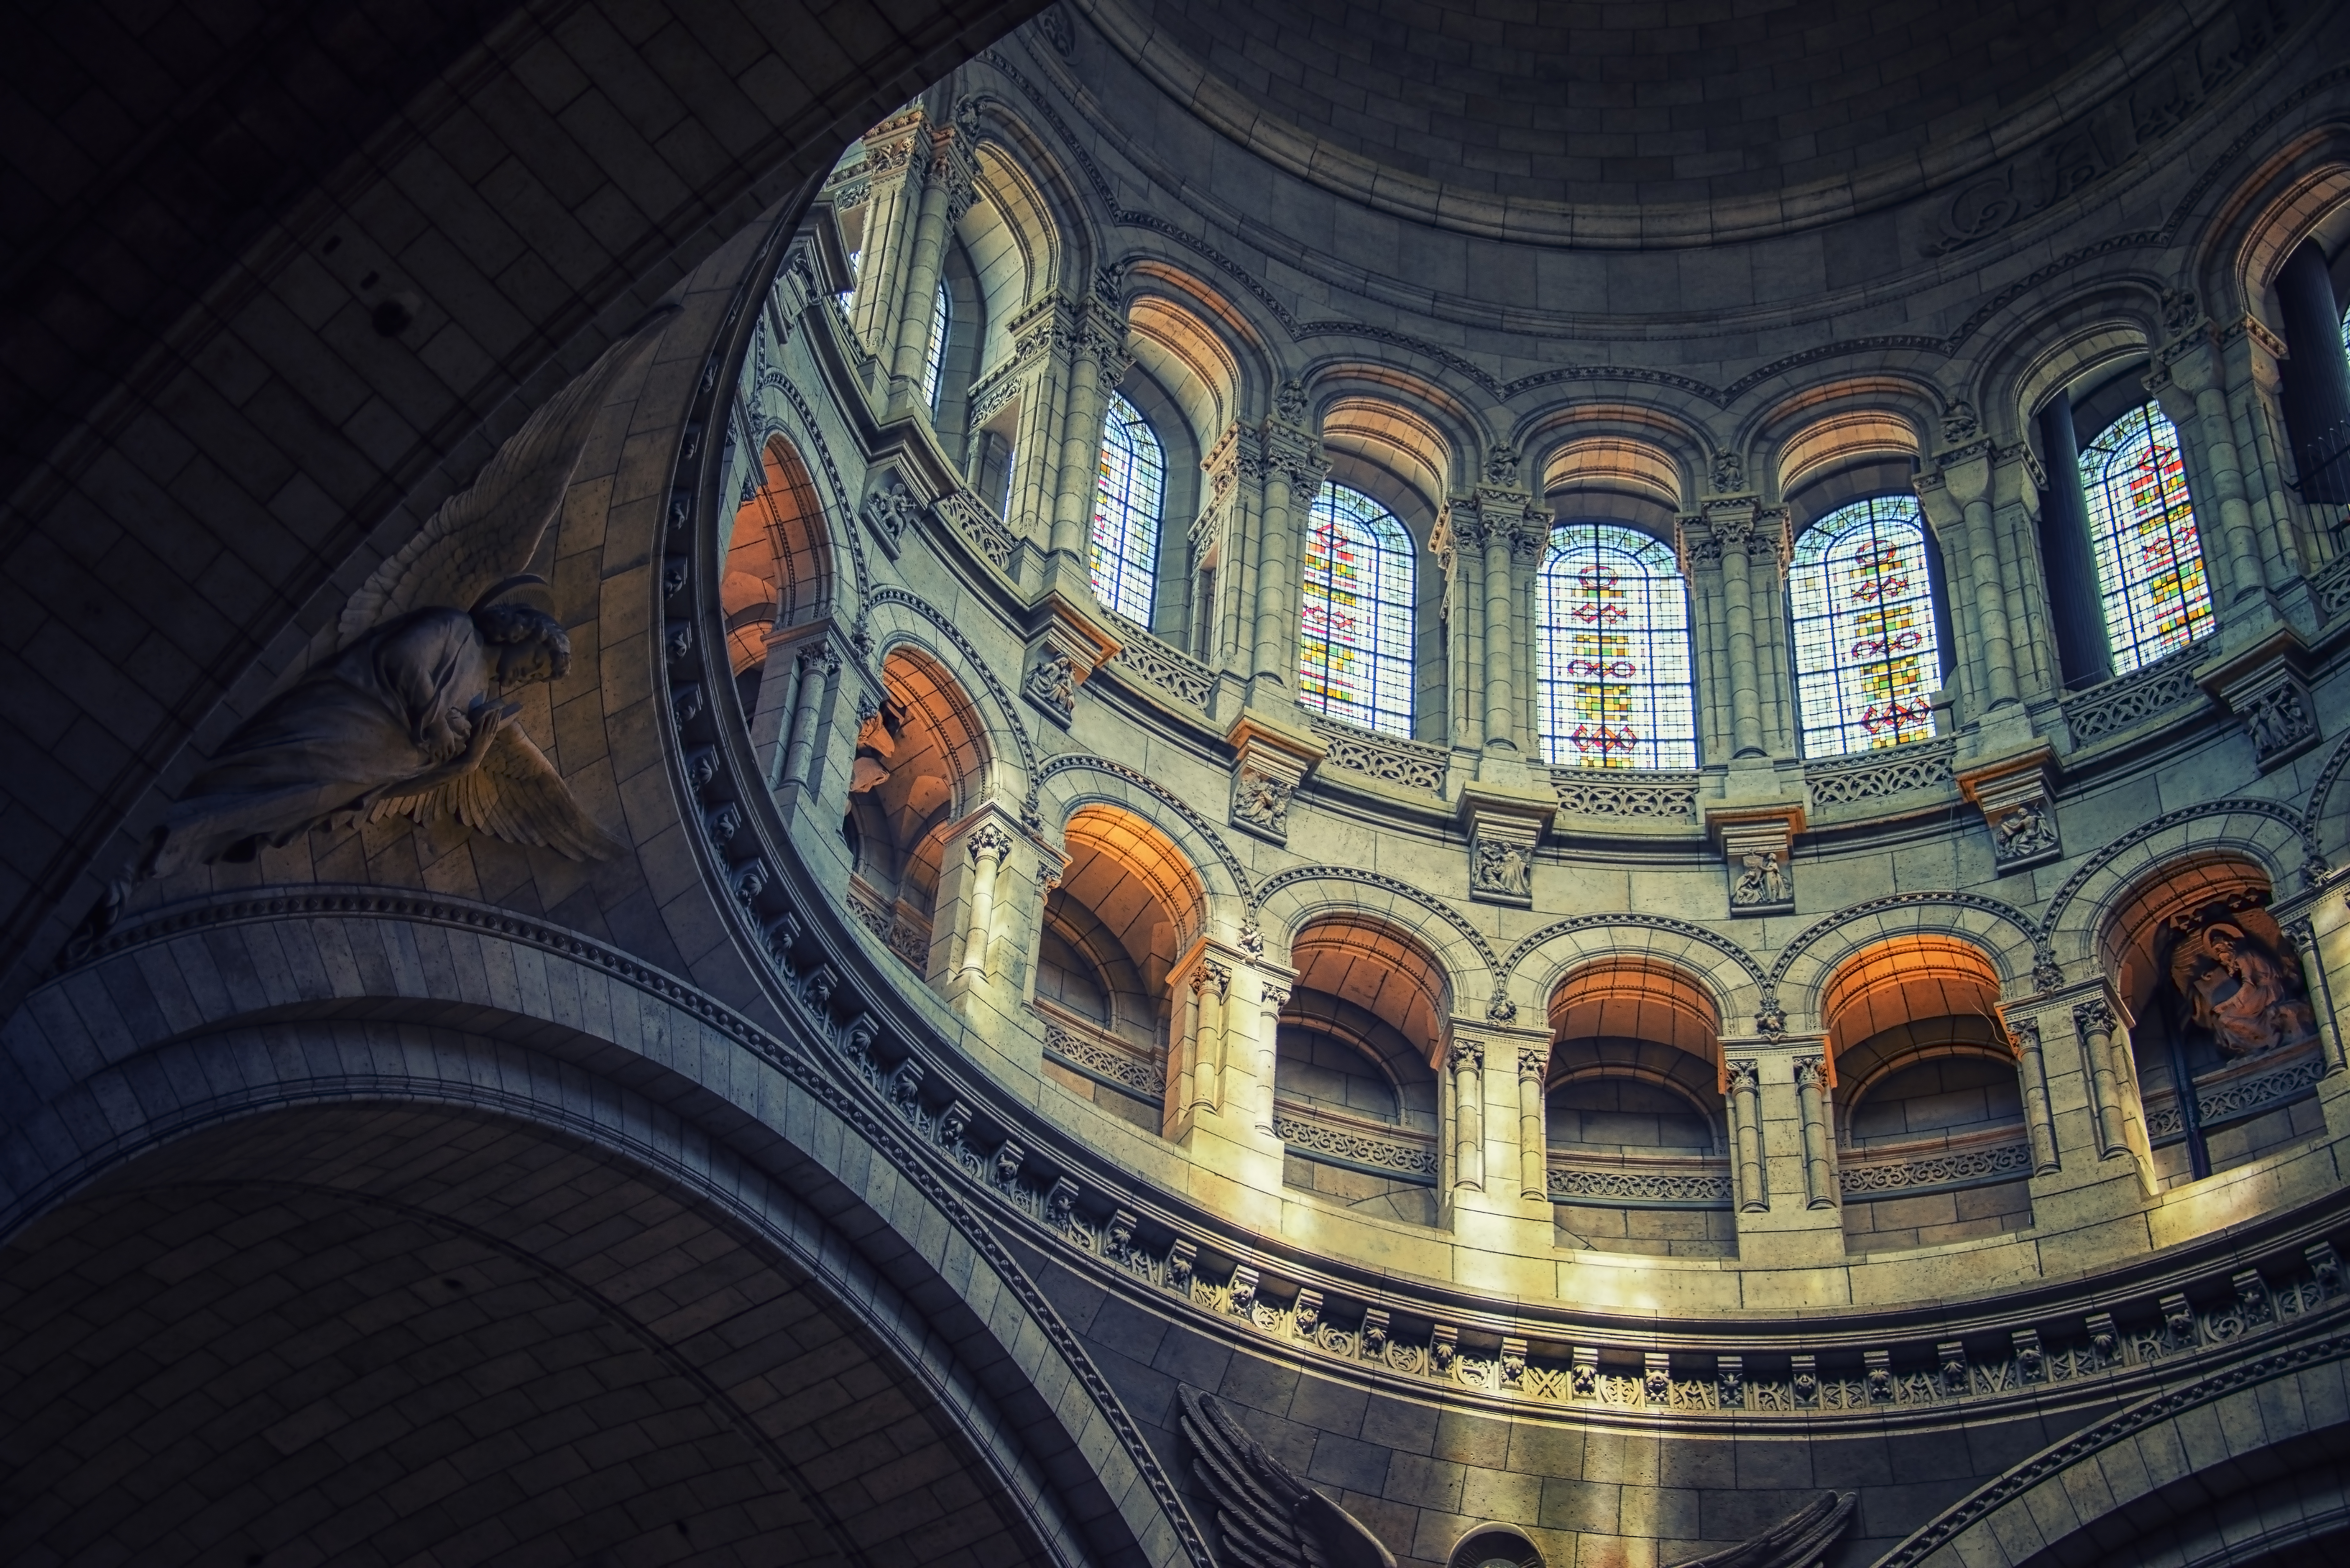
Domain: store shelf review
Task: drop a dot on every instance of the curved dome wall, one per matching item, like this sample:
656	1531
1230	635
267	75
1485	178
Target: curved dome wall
1254	986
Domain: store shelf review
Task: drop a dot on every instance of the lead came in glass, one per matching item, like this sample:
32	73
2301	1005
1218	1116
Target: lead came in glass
1616	689
1128	501
1353	648
2142	531
1867	658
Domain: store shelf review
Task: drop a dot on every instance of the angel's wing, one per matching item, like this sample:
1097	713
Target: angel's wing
515	795
491	530
1267	1517
1798	1541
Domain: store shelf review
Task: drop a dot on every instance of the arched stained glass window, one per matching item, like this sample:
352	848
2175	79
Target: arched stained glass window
1614	651
941	318
2142	532
1867	658
1126	506
1353	645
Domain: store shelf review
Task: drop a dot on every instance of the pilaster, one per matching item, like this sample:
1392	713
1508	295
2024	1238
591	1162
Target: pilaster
1796	1220
2096	1123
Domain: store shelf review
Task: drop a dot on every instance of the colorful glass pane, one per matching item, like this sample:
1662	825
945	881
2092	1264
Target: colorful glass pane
1868	660
1128	501
1354	646
941	317
1614	649
2142	532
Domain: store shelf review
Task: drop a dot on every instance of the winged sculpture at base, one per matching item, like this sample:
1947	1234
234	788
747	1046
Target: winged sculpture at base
1267	1517
412	716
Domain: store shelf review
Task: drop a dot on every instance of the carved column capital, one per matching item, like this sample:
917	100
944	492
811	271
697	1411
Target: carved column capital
988	842
1466	1056
1534	1063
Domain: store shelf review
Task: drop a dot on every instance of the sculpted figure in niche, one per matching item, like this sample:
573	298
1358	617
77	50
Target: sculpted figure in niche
2238	984
1504	867
2024	830
414	715
1763	881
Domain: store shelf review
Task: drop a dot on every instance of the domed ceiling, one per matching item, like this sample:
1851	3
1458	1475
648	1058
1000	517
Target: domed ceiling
1640	123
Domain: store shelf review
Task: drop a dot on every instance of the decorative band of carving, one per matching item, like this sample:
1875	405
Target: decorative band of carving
1404	1156
1873	775
2332	587
1602	792
1144	660
1415	765
2121	703
971	517
1107	1060
2234	1099
1983	1165
900	934
1642	1186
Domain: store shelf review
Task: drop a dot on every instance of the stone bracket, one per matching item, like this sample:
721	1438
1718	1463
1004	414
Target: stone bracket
2018	808
1068	644
1504	827
1269	763
2264	689
1757	847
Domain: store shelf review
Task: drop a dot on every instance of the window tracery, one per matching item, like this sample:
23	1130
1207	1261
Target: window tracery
1127	502
942	320
1355	640
1614	649
1868	659
2142	532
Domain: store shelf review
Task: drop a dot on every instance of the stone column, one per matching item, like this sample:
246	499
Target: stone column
893	181
987	845
947	182
2187	382
2083	647
1097	363
1743	1093
1211	987
1957	501
1273	995
2316	376
2096	1025
2032	1077
1292	466
815	669
1734	523
1467	1062
1819	1148
1534	1134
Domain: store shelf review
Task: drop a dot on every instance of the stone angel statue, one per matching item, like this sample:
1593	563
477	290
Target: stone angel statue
1267	1516
412	716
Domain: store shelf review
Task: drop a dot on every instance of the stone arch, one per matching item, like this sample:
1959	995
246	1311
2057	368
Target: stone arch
1622	449
1291	900
1809	434
1542	961
1235	330
1133	879
1832	442
924	764
1015	244
778	563
2114	322
1189	361
1413	433
899	620
1619	476
2157	1471
1384	967
1076	780
326	1001
2320	824
2006	936
2264	832
2300	190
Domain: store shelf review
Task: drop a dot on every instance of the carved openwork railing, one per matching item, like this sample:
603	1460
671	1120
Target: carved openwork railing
972	518
1654	796
1659	1182
901	932
2332	587
1097	1054
1874	775
2245	1091
1378	1149
1145	660
1414	764
1984	1159
2129	700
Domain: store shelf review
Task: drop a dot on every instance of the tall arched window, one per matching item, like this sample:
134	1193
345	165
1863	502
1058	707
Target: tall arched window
1867	658
1127	504
1353	645
2142	532
1614	651
941	318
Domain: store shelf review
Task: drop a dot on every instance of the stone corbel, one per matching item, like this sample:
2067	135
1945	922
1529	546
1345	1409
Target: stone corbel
1757	847
1269	762
1070	645
2013	795
2265	689
1504	827
890	507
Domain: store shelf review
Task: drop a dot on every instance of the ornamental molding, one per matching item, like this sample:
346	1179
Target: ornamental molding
1639	1184
1869	1174
1106	1059
1394	1152
2235	1099
1703	935
2024	925
2060	903
1396	885
1145	660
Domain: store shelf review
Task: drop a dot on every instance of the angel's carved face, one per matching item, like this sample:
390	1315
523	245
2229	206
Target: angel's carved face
520	663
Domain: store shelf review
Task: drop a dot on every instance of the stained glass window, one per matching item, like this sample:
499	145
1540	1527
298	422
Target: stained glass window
2142	531
1354	646
1866	659
1127	504
1614	651
941	317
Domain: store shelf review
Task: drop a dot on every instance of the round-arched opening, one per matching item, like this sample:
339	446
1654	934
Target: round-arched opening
920	767
1355	1098
2216	998
1128	908
1638	1146
1930	1125
778	570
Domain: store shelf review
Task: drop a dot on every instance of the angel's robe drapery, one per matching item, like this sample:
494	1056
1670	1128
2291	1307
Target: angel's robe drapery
391	706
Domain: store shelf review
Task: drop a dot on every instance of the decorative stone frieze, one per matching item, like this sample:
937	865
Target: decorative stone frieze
2013	795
